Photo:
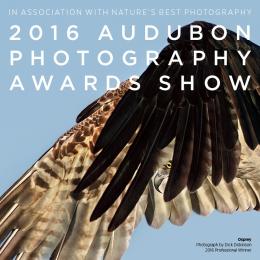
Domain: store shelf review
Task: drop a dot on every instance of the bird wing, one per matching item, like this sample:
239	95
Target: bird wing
241	194
84	197
202	123
41	218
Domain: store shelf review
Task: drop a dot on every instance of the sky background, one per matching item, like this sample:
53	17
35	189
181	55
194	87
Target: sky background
31	121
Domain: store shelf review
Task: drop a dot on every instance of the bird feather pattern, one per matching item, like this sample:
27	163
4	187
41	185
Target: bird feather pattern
146	153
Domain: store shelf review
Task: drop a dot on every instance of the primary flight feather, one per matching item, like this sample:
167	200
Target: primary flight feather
162	154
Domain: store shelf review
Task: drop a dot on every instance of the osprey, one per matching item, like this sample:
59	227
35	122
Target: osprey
153	153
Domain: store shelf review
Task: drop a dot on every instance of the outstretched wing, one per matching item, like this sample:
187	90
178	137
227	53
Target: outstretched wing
40	216
120	174
203	123
241	194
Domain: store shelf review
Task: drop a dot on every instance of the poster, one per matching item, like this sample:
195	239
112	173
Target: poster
31	119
